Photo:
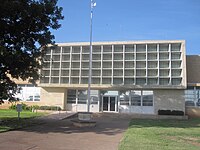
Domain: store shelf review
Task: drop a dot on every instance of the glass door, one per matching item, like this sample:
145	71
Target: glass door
105	103
112	103
109	103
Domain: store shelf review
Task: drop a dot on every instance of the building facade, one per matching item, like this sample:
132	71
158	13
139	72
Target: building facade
192	94
128	77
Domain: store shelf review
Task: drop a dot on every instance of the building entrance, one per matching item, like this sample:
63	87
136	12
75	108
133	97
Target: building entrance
109	103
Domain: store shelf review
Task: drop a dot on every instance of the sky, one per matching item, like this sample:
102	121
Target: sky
132	20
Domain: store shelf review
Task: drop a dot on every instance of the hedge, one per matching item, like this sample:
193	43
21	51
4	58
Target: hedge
171	112
35	107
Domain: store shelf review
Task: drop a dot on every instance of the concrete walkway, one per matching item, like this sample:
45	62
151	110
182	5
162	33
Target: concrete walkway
57	134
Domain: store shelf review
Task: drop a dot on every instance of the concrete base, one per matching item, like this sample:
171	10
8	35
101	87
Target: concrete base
80	123
84	116
84	120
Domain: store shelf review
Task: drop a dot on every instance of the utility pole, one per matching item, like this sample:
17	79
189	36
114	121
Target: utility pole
92	5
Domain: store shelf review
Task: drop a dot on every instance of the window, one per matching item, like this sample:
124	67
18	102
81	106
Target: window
163	47
175	47
192	97
129	48
33	98
147	98
28	92
136	98
94	96
141	98
152	47
140	48
65	49
56	58
82	96
118	48
71	96
124	98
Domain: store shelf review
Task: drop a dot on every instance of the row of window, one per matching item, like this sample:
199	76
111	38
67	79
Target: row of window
133	97
115	72
80	96
136	98
118	56
119	48
28	93
192	96
115	80
118	64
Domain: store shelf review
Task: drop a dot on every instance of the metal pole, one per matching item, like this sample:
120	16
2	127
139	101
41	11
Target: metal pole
90	59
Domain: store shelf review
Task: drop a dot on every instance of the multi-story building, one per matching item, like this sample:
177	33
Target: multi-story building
134	76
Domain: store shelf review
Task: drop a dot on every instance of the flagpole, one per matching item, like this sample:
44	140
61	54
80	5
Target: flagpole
92	4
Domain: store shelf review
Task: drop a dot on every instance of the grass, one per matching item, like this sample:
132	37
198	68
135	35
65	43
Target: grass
162	135
9	119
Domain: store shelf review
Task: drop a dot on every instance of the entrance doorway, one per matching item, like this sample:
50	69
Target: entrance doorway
109	103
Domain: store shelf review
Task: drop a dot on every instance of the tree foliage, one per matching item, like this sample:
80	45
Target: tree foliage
24	33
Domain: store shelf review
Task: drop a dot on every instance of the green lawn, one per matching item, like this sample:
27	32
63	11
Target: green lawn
162	135
9	119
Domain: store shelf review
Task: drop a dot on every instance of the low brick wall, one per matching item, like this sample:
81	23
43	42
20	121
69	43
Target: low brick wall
192	112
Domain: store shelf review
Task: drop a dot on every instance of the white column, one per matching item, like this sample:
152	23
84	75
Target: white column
170	66
51	59
123	63
60	69
134	64
112	65
101	64
80	73
70	64
158	61
146	66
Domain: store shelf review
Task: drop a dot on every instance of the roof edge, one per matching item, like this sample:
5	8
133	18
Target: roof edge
120	42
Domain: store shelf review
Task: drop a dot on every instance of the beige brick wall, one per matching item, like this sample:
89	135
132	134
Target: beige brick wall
53	97
48	97
169	100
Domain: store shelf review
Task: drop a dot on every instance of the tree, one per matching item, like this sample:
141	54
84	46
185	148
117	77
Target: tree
24	34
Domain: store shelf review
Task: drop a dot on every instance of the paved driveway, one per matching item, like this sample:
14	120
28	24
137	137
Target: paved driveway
56	134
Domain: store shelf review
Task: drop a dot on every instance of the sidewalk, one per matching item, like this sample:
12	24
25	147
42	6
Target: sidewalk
59	134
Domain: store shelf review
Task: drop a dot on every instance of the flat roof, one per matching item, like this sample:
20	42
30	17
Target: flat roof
120	42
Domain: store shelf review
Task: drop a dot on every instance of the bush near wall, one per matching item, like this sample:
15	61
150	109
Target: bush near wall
24	106
35	107
49	108
171	112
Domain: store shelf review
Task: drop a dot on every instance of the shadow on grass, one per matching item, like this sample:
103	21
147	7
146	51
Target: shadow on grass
140	123
14	123
105	125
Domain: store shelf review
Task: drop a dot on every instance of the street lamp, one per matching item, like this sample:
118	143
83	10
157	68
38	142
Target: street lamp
92	5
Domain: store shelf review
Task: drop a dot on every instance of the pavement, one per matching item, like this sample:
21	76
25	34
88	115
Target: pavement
56	132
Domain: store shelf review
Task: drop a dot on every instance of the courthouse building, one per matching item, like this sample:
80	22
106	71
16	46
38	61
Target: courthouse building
131	76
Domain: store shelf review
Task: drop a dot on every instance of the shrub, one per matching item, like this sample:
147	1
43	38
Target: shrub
24	106
177	113
164	112
50	108
13	106
35	106
171	112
